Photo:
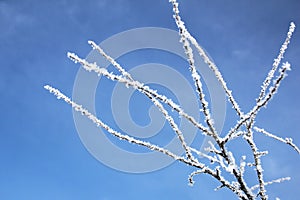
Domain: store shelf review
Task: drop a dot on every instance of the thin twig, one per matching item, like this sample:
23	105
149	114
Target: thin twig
101	71
154	93
288	141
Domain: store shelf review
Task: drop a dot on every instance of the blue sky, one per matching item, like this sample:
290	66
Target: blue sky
42	156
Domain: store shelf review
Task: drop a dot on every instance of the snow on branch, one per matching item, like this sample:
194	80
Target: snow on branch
136	85
257	164
273	90
111	60
277	62
152	92
262	103
288	141
219	160
195	75
185	33
113	132
255	187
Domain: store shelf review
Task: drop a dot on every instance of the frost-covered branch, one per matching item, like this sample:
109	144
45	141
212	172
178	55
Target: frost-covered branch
272	90
152	92
224	183
115	133
101	71
257	163
111	60
277	62
219	160
271	182
195	75
98	122
288	141
263	103
186	34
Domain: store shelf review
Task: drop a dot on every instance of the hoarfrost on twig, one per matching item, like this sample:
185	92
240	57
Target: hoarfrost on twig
288	141
277	62
271	182
101	71
219	159
98	122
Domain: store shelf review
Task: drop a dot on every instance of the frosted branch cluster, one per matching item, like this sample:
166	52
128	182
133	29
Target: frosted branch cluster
217	160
